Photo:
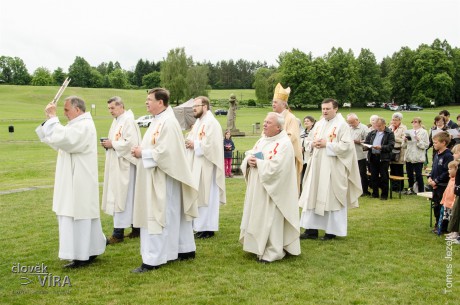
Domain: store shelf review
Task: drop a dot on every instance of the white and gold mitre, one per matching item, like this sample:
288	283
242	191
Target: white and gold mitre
281	93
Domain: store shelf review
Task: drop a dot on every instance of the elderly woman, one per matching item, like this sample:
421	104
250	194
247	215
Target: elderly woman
397	166
416	143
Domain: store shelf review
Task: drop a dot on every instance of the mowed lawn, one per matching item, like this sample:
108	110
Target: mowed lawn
389	257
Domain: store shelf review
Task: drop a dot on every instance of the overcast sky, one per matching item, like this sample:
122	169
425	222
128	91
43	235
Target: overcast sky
51	33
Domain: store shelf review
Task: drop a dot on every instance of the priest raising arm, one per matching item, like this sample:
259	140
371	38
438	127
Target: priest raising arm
270	223
76	187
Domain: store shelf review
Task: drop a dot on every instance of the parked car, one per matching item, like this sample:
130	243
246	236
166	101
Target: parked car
395	107
371	104
144	121
415	108
220	112
346	105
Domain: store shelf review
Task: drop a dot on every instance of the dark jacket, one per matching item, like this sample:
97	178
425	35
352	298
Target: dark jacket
439	172
388	143
228	148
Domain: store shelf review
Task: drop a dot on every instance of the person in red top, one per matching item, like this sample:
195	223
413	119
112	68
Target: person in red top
448	198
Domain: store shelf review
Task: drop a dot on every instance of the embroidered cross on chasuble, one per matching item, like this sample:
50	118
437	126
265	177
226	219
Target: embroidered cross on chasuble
156	134
118	134
202	134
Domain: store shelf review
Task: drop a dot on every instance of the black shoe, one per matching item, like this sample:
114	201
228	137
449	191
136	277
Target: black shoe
309	234
78	264
383	198
92	257
144	268
262	261
186	256
328	237
204	234
135	233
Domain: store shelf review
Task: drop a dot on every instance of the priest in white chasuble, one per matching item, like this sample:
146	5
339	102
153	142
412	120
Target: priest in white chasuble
332	182
120	169
165	193
270	222
76	186
206	157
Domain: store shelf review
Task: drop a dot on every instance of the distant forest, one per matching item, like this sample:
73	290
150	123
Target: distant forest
428	73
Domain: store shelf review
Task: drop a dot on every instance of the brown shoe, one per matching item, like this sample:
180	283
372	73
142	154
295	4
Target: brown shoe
114	240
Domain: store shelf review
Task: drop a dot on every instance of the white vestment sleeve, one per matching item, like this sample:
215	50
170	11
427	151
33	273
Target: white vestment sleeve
147	159
197	147
330	150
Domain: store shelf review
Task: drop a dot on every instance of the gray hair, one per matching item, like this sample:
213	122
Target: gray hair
117	101
397	115
352	116
279	119
77	102
373	118
382	120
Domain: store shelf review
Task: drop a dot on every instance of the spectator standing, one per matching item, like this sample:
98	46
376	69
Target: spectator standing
454	223
416	144
309	123
382	141
229	147
439	176
449	123
448	198
397	166
359	133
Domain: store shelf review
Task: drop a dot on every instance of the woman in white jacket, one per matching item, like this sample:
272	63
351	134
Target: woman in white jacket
416	142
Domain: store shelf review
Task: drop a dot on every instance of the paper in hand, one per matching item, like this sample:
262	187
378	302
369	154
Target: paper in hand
259	155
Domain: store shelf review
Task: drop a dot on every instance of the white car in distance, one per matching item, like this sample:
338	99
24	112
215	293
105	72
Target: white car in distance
144	121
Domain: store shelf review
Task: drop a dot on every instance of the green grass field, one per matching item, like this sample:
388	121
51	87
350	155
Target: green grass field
389	257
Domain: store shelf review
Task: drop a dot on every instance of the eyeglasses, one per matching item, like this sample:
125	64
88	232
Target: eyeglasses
415	122
194	106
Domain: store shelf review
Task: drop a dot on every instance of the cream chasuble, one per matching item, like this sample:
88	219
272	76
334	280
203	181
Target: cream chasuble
76	186
124	134
332	181
207	155
270	222
292	128
163	154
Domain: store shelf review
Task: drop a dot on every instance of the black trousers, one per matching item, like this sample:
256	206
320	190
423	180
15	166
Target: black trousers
362	164
379	175
416	168
397	170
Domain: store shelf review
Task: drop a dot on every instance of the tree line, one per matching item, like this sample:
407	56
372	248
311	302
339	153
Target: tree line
428	73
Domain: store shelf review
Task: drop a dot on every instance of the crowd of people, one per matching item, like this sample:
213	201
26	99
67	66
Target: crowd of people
168	189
